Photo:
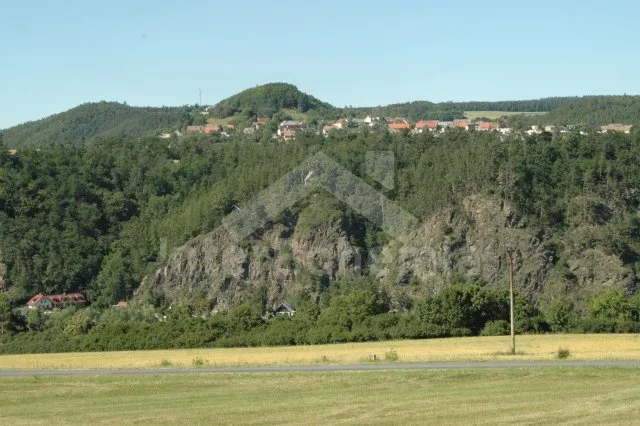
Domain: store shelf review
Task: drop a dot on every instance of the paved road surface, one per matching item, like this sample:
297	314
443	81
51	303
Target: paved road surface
324	368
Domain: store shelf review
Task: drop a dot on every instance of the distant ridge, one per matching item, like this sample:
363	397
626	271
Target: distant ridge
90	121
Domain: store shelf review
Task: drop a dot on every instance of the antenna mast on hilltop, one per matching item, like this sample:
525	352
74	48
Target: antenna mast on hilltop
200	97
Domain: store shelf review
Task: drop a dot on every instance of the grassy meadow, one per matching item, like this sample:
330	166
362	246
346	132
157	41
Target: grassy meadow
528	347
492	396
494	115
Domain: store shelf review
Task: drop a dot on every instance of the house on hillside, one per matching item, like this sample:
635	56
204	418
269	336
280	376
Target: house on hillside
444	125
487	126
328	128
48	302
461	123
340	124
357	122
40	301
211	128
284	310
371	119
194	129
287	129
398	127
426	125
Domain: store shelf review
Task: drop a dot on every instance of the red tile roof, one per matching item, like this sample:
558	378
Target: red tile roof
58	299
399	126
487	125
430	124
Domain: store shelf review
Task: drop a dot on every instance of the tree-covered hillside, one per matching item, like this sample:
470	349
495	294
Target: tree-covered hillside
267	100
91	121
105	217
591	111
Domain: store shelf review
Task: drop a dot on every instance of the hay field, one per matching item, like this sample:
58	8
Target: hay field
529	347
484	397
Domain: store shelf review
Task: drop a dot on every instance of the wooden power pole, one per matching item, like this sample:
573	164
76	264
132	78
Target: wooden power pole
511	252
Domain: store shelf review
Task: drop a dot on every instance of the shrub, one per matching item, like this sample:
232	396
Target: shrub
198	362
166	363
391	356
495	328
563	353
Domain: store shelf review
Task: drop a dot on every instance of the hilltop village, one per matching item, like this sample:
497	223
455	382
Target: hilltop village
288	129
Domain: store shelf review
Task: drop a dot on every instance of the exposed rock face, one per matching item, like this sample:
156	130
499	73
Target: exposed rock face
469	242
215	265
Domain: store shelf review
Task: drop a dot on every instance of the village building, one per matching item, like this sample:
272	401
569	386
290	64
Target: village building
487	126
287	129
371	120
284	310
398	127
461	123
426	125
48	302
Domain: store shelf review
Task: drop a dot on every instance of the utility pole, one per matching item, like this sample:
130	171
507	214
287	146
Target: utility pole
511	252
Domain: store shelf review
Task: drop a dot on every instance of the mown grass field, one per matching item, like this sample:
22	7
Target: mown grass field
493	115
491	396
529	347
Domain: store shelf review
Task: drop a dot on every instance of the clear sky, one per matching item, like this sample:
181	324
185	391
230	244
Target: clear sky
55	55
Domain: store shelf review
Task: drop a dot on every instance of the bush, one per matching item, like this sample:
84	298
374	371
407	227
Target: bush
495	328
391	356
563	353
198	362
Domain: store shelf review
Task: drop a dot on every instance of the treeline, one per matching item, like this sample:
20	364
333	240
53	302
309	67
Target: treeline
357	312
593	111
414	111
92	121
532	105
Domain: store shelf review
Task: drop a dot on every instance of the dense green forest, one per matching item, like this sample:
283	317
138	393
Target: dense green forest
422	110
593	111
99	217
92	121
267	100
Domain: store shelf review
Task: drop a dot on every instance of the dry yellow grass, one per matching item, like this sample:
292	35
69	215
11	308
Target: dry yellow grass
533	347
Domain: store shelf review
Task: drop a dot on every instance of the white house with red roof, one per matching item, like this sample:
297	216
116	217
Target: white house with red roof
50	301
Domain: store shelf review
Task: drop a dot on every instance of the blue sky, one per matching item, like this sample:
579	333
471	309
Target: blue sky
56	55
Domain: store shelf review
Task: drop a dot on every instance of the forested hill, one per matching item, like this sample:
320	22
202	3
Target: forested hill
92	121
420	110
267	100
95	120
595	111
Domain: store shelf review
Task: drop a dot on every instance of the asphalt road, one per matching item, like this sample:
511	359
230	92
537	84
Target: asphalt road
324	368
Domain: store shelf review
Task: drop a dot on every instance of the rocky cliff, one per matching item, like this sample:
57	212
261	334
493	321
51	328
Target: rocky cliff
469	242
